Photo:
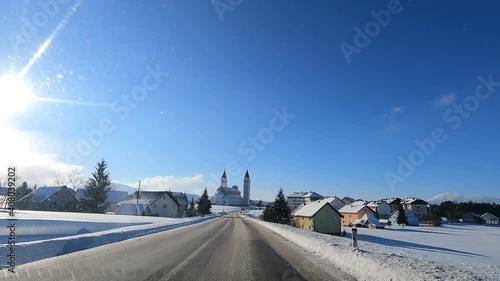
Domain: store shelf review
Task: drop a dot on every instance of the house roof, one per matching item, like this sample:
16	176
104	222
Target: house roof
417	201
359	203
369	218
147	197
353	209
41	194
394	200
297	194
490	215
313	194
312	208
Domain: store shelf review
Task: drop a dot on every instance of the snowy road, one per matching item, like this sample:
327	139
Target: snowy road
226	248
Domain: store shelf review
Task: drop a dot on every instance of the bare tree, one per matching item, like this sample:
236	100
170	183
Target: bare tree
60	180
4	180
75	180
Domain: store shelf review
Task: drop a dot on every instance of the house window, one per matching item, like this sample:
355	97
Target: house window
165	206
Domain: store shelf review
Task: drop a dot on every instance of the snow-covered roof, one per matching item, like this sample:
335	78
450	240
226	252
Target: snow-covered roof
490	215
394	200
297	194
147	197
412	217
369	218
312	208
313	194
413	200
229	190
41	194
352	209
359	203
133	209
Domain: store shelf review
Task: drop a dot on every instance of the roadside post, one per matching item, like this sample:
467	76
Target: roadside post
354	238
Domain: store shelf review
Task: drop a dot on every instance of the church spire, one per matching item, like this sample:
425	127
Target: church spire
224	175
247	176
223	180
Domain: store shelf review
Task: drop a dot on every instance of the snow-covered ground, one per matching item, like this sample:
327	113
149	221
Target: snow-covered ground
42	235
219	209
458	252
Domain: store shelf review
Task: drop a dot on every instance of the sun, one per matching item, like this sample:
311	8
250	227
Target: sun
15	96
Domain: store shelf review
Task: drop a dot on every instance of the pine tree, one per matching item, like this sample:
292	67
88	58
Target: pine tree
96	189
192	208
22	191
281	209
204	205
402	219
269	215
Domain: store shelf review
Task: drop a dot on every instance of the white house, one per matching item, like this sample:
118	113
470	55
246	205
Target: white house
412	218
382	209
490	218
299	198
150	203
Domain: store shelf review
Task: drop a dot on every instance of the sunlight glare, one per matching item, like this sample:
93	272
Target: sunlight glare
15	96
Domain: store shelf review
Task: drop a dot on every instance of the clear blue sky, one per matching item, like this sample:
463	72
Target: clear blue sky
226	76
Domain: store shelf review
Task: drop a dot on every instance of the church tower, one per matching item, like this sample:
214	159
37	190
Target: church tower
223	180
246	189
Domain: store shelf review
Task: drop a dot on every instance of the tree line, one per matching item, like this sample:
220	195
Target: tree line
454	211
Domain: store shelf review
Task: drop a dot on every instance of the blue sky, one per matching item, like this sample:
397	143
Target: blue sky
228	76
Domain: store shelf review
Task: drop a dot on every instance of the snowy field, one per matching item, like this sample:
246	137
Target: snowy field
41	235
457	252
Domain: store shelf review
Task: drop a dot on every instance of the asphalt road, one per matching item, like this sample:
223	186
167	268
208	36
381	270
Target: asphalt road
226	248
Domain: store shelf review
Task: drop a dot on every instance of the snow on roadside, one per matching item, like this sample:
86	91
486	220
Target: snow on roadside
376	262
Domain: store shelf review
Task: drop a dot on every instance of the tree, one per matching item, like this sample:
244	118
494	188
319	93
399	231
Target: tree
96	189
72	181
22	191
191	212
204	205
402	219
281	209
269	215
259	204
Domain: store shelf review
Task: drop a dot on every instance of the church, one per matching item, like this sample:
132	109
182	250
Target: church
231	196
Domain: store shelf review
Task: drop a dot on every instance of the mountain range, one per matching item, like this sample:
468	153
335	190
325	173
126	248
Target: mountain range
448	196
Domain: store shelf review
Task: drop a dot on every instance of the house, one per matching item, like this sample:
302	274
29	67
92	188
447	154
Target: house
418	206
471	218
380	207
114	197
299	198
351	213
318	216
369	220
150	203
393	202
182	200
49	198
335	202
489	218
412	218
348	200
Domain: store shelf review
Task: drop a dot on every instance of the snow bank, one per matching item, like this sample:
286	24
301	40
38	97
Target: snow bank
377	262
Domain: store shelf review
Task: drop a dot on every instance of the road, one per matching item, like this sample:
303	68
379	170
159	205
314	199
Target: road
225	248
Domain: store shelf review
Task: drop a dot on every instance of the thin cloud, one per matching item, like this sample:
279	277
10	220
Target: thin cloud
446	100
170	182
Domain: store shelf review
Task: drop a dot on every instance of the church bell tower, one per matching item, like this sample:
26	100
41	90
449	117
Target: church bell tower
246	189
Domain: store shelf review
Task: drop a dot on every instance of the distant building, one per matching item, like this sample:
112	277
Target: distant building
49	198
318	216
381	208
412	218
348	200
231	196
368	220
471	218
150	203
352	213
299	198
393	202
418	206
336	202
490	218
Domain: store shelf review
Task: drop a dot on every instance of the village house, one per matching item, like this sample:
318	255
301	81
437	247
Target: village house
335	202
418	206
381	208
318	216
49	198
150	203
471	218
299	198
394	203
489	218
351	213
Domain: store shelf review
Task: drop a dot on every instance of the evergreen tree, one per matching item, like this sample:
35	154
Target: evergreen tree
22	191
402	219
280	208
96	189
192	208
204	205
268	214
